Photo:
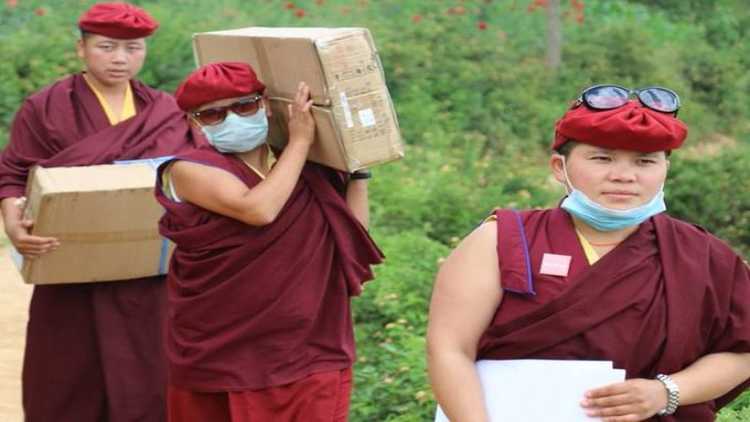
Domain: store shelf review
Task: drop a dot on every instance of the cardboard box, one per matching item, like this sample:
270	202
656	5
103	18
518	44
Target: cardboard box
106	218
356	122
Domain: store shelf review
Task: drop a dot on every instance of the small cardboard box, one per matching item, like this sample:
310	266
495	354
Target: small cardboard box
106	219
356	124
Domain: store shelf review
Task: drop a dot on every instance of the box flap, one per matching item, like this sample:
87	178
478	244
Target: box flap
280	63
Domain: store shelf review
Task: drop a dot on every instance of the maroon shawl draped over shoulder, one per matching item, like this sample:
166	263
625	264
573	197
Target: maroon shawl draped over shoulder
667	295
64	125
259	306
93	351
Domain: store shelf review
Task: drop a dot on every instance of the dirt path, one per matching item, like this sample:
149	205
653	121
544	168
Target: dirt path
14	304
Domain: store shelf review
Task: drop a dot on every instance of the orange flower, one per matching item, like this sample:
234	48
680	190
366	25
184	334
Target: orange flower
289	5
300	13
11	3
537	4
416	18
482	25
457	10
40	11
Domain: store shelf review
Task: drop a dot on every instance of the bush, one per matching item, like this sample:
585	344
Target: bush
711	190
390	375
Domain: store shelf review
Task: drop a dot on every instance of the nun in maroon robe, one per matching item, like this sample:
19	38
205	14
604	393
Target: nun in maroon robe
667	295
260	324
93	351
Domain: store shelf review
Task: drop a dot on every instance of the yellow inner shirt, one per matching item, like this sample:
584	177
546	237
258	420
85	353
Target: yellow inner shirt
128	105
591	255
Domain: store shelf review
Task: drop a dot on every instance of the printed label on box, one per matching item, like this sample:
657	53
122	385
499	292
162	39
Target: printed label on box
347	110
367	117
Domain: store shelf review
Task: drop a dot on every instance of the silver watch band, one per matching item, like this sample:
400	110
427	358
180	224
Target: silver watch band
673	394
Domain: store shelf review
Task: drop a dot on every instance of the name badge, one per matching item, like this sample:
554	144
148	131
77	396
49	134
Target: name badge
553	264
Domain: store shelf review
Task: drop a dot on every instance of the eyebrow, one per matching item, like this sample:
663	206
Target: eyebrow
599	150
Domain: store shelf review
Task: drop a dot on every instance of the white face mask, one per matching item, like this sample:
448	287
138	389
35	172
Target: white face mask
238	133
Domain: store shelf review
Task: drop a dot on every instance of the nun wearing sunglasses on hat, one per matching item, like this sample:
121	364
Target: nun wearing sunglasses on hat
606	275
266	259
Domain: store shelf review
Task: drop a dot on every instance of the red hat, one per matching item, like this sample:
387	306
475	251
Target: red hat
631	126
216	81
117	20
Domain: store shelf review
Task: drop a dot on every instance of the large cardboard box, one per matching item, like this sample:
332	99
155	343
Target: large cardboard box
106	218
356	122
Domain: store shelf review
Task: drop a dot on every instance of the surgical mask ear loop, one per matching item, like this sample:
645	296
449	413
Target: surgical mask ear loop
568	185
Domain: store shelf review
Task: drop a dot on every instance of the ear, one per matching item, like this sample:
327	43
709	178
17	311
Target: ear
267	106
80	48
192	122
556	165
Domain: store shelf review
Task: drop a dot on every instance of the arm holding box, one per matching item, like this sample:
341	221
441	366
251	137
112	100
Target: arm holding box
223	193
18	228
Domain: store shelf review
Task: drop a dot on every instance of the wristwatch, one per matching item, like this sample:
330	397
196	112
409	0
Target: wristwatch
673	395
360	174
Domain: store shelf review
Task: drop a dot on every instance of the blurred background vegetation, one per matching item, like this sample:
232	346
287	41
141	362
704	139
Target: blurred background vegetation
477	87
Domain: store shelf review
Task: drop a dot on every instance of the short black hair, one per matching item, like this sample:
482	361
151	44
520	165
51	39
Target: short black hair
565	148
568	146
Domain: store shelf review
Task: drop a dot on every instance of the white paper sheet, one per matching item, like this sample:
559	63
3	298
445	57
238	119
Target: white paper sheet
531	390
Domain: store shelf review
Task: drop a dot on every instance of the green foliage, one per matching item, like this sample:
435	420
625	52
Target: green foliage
477	107
713	191
739	414
390	375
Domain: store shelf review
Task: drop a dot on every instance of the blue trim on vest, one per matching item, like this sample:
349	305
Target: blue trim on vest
522	233
163	256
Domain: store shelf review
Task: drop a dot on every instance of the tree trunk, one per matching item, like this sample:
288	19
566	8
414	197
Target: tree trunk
554	35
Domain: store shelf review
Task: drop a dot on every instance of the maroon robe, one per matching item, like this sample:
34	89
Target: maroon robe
252	307
320	397
93	351
667	295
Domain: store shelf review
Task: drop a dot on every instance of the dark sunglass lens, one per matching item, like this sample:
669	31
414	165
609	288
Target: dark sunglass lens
212	116
246	108
660	99
606	97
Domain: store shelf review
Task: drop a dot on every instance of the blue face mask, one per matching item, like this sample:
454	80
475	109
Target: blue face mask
607	219
238	133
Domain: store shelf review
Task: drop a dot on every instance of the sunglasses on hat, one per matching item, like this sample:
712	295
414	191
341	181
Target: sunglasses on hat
213	116
607	97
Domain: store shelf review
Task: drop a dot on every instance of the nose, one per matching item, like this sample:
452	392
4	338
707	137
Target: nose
119	56
623	171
